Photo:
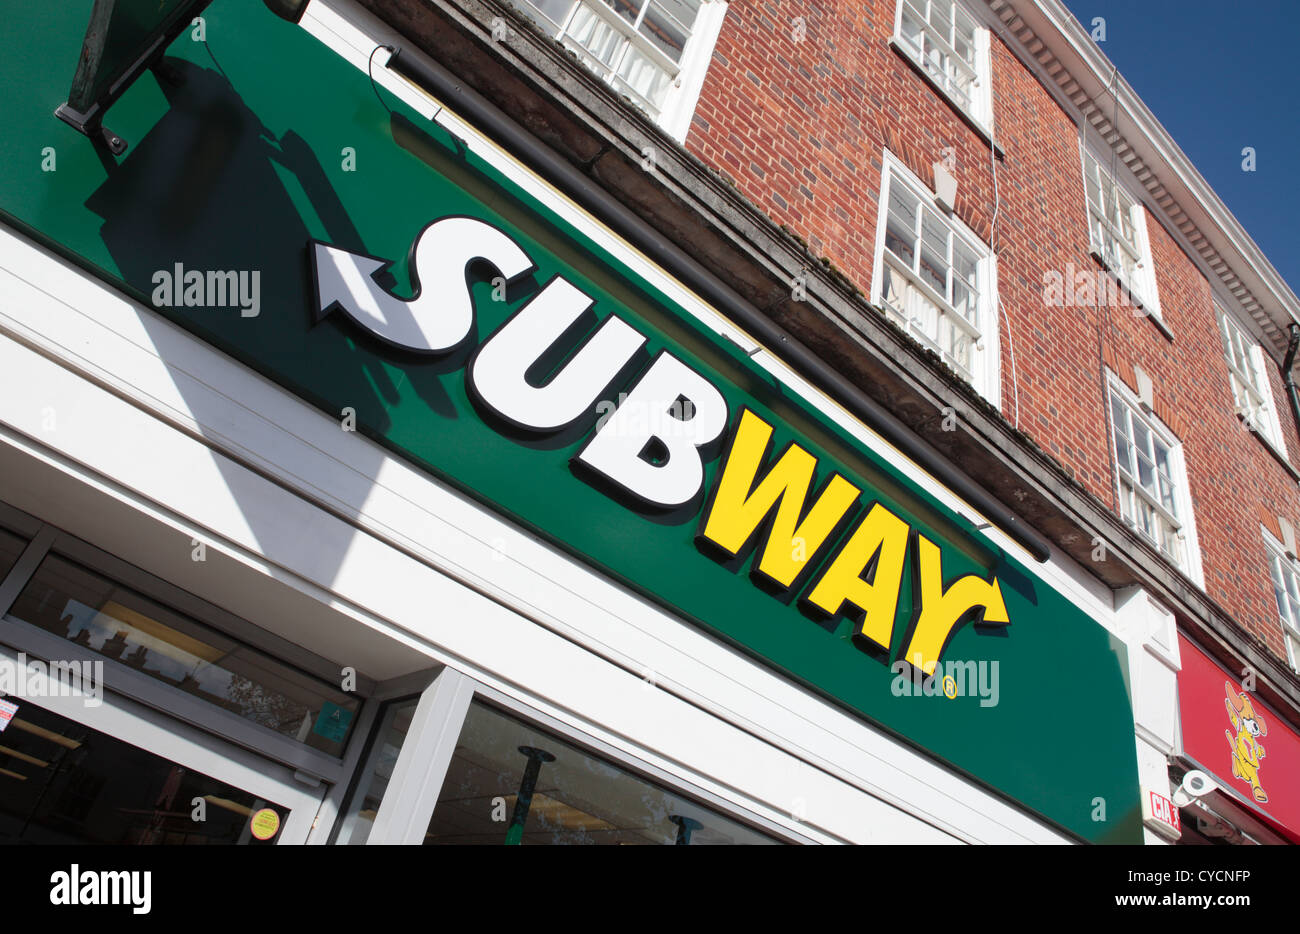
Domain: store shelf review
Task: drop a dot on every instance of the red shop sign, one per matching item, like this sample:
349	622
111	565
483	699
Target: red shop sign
1250	750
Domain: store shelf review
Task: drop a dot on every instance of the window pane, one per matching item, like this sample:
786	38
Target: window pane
941	17
363	805
933	58
92	611
965	300
893	291
684	11
934	241
911	28
1292	586
900	225
934	270
11	546
1123	453
1146	519
1126	503
957	344
596	36
1167	496
667	24
924	317
965	48
1279	589
1146	475
964	37
628	9
512	783
1120	416
1237	351
959	86
1092	186
1170	542
1141	437
1100	239
1162	459
65	783
1125	265
1122	217
642	78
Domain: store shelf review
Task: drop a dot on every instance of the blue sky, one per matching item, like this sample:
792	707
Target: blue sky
1220	77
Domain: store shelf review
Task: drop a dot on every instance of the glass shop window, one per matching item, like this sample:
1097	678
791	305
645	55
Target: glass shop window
65	783
512	783
99	614
363	806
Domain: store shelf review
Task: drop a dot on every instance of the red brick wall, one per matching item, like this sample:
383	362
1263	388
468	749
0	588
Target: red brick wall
800	125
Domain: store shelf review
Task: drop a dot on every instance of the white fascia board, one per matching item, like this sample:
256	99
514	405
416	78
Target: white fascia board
1066	38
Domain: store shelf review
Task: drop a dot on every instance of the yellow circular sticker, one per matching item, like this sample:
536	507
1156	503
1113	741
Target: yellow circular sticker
949	687
265	824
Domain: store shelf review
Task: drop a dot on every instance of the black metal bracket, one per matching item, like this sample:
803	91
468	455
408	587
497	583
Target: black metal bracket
91	125
96	86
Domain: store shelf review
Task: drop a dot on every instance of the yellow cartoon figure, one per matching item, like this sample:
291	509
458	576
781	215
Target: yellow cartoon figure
1246	750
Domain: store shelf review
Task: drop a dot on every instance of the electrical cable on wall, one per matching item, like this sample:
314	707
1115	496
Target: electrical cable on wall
370	70
993	238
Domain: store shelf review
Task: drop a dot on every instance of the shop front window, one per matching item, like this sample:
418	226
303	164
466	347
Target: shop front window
512	783
99	614
62	782
363	806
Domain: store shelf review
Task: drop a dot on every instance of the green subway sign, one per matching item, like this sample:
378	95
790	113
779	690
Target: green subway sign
368	261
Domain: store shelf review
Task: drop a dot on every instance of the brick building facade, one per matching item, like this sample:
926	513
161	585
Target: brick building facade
798	105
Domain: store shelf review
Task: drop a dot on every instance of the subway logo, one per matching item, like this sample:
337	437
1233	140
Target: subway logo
815	540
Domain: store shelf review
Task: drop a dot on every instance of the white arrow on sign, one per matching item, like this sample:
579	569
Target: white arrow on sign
440	313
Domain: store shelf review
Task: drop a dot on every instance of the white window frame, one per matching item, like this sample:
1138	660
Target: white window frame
980	106
1285	570
985	370
686	76
1250	380
1182	517
1142	283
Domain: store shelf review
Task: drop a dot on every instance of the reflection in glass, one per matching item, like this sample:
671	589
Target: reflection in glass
364	801
62	782
79	605
510	782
